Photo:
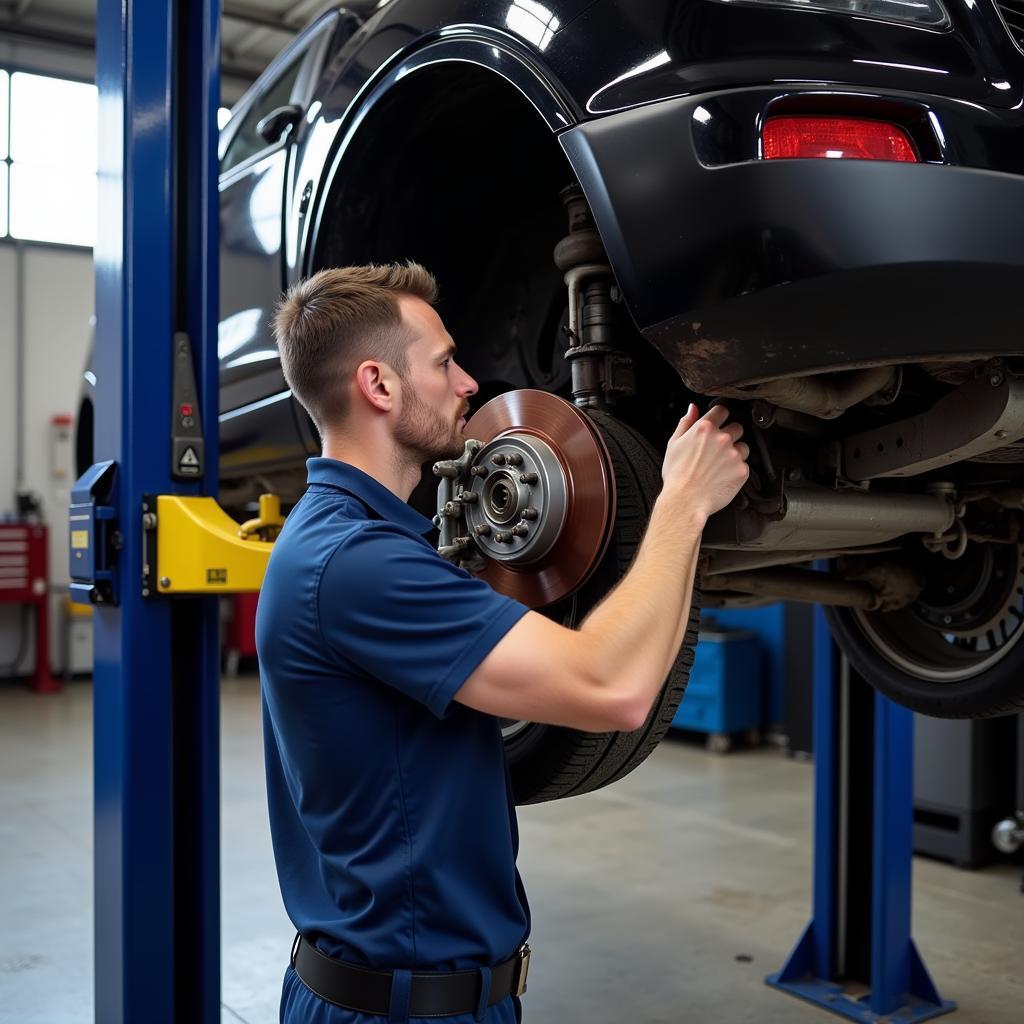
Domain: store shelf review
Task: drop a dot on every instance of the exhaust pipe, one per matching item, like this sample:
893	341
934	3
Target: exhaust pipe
817	518
799	585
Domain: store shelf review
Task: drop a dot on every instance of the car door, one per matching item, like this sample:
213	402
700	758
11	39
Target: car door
258	426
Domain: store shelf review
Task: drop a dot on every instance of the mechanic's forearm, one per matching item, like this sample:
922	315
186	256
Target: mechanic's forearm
633	636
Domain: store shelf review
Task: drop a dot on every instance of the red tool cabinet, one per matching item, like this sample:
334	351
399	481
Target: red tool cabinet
24	579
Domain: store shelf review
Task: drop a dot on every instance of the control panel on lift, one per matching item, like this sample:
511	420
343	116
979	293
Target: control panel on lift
190	545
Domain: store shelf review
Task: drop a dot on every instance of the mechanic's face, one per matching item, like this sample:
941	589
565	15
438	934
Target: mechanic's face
435	389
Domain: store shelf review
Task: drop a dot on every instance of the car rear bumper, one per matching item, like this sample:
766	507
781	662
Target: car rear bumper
751	270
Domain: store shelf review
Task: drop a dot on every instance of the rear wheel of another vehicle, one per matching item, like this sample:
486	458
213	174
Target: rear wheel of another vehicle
958	650
550	762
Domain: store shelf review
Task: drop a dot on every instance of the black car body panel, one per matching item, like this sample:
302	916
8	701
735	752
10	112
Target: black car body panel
687	235
736	269
766	268
621	55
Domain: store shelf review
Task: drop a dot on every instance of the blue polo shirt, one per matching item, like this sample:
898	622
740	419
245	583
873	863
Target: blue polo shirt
391	808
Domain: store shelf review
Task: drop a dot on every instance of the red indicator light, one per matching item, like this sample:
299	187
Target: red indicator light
837	138
185	409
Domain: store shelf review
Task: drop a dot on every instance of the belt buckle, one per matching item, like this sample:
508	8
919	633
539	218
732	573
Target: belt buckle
521	970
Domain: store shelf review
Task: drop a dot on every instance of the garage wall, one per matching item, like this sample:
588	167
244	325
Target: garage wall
57	292
56	285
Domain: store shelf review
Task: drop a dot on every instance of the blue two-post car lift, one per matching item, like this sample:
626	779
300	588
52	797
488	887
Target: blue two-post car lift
156	675
859	935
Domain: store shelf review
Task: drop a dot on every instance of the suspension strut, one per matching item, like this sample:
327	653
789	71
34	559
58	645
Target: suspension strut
601	373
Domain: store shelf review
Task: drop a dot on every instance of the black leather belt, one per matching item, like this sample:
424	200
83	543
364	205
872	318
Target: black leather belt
438	994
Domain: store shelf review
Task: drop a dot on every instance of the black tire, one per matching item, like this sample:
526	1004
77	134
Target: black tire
918	664
550	762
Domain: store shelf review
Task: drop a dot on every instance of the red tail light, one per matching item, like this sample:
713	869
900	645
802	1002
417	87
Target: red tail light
839	138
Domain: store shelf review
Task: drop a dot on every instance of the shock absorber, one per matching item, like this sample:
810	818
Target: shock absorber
601	373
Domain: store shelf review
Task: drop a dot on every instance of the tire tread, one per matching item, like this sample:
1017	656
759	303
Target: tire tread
578	762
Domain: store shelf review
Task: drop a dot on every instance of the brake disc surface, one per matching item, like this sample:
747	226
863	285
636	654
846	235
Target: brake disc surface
538	497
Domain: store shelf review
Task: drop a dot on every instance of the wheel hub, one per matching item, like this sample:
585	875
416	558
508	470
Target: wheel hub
965	623
975	594
518	499
530	505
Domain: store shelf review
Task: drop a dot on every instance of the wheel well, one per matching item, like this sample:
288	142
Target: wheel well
454	168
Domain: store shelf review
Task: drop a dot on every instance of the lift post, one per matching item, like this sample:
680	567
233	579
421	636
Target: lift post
156	672
859	935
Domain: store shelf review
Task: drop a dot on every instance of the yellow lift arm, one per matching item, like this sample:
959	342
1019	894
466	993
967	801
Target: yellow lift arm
194	547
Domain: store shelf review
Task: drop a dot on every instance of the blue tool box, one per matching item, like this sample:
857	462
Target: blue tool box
726	691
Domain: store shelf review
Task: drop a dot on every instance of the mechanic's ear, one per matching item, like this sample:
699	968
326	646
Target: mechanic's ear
376	384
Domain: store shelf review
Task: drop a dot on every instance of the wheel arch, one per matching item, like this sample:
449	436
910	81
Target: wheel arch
494	53
451	162
456	151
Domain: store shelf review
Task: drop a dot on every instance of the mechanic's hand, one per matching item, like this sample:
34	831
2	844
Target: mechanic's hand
705	462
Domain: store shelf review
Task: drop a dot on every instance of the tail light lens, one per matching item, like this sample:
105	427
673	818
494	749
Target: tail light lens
837	138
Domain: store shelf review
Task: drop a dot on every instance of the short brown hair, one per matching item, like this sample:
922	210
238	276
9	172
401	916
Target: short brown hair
329	323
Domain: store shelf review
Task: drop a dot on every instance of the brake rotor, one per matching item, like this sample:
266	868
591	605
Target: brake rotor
545	495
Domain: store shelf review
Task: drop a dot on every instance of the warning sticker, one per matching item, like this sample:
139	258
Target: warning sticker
189	461
79	538
216	575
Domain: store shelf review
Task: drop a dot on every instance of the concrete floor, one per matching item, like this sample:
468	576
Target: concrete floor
666	898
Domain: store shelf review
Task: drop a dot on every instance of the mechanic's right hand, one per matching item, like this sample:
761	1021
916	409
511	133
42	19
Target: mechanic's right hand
705	462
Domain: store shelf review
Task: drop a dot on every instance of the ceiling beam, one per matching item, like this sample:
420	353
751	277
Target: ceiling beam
81	42
298	14
235	12
68	40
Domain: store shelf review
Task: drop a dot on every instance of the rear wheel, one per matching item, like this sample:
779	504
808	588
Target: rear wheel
956	652
550	762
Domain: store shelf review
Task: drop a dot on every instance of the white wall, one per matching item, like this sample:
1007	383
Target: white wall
57	287
58	301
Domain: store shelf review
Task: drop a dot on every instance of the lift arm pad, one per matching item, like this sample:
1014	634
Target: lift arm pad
199	549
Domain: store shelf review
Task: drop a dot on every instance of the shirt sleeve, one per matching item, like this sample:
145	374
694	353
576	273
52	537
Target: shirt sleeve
395	608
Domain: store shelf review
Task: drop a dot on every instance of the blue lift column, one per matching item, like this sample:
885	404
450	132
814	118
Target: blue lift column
156	661
857	958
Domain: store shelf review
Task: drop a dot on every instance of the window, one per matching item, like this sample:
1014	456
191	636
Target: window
4	106
48	149
246	141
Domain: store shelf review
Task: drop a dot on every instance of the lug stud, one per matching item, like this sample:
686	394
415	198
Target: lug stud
468	497
504	537
515	459
520	530
480	471
529	513
482	530
499	459
528	478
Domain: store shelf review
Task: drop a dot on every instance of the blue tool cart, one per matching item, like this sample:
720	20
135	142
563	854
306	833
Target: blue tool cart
725	694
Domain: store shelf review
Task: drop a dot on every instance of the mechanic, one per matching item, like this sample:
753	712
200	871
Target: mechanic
385	669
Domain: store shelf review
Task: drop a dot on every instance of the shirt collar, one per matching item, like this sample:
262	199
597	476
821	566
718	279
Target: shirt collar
371	492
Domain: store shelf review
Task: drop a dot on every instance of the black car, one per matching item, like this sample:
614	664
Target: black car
811	210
